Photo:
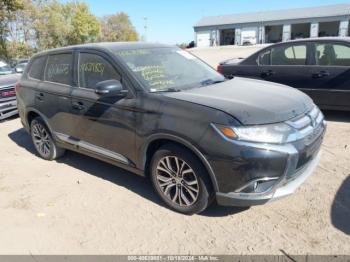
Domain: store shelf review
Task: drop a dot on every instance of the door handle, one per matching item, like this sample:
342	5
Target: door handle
40	96
78	105
267	73
320	74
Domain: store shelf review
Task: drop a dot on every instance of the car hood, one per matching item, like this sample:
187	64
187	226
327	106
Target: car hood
250	101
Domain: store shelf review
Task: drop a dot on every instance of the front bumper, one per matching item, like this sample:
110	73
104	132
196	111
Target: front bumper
8	108
285	187
249	173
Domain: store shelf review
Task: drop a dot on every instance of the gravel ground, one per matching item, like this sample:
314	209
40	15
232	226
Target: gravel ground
79	205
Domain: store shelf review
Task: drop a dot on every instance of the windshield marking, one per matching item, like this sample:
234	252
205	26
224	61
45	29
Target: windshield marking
168	69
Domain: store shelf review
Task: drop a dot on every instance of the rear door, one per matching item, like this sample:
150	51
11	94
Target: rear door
27	96
53	94
103	125
287	64
331	74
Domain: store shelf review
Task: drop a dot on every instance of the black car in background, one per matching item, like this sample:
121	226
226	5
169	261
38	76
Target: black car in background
318	67
8	103
159	111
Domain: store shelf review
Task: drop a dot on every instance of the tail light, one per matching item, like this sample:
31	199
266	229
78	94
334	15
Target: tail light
220	69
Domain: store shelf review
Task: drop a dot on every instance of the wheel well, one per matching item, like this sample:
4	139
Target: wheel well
155	145
31	115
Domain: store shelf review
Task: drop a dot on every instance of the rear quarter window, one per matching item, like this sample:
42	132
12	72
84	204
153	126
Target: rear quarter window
37	68
59	69
332	55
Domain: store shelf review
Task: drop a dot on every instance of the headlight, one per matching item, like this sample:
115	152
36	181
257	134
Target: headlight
274	133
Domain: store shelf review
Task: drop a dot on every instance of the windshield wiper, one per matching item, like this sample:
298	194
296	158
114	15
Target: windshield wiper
211	82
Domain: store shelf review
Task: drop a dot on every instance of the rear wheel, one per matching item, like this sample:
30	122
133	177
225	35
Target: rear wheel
180	180
43	142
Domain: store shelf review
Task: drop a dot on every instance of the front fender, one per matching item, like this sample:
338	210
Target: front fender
179	140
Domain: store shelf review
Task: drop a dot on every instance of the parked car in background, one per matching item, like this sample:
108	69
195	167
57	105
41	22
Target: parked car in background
5	69
20	67
15	62
8	103
191	44
319	67
159	111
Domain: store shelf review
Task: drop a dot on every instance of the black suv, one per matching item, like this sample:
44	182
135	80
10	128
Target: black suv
158	111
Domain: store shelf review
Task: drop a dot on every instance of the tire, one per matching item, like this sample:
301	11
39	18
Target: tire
42	140
180	180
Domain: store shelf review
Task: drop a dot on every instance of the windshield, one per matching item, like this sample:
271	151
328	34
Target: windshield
168	69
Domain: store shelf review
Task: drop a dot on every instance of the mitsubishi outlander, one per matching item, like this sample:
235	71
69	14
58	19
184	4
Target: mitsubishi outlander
160	112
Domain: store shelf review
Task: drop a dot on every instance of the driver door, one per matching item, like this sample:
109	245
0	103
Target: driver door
102	125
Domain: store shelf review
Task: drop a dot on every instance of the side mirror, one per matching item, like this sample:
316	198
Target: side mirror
19	70
110	88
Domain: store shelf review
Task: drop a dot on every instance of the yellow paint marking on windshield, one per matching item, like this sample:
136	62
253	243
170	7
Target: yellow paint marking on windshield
155	75
149	73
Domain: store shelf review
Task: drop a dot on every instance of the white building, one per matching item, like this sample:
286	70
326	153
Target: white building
273	26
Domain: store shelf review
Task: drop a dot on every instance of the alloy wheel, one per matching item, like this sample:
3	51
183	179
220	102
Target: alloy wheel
41	139
177	181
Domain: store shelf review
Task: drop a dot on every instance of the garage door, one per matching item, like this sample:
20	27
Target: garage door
249	36
203	39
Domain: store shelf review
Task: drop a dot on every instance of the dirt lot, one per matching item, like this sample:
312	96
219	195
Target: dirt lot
79	205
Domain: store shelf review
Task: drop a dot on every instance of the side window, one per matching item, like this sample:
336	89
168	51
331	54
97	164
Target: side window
93	69
265	57
290	55
59	69
332	54
36	68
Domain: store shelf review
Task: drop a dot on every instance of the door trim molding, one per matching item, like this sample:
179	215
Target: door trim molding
93	148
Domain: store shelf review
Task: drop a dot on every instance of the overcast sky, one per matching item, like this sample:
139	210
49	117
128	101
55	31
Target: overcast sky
171	21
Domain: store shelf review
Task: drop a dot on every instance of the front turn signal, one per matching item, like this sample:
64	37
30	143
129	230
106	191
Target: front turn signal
228	132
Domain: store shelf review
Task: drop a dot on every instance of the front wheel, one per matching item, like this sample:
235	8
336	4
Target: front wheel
180	180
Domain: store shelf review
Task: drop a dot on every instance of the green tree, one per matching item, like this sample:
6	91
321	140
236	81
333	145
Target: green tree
19	50
7	8
118	27
20	24
85	27
60	24
52	25
35	25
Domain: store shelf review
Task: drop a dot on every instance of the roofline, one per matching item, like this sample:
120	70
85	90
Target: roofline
103	46
319	39
346	13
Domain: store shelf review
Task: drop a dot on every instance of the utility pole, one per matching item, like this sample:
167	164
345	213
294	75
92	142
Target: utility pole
145	27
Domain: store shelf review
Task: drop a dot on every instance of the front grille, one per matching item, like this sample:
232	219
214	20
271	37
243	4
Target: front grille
310	128
309	125
7	92
308	153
